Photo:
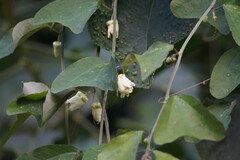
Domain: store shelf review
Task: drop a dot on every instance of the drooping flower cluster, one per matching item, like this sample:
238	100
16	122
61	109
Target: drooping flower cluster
125	86
110	28
77	101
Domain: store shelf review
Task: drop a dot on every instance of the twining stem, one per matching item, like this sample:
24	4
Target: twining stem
173	75
61	38
114	28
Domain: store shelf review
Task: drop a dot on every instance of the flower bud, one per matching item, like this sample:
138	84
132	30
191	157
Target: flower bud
214	18
169	60
205	19
125	86
57	48
77	101
97	112
110	28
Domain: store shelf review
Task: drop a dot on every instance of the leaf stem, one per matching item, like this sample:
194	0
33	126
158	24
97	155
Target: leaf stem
173	76
61	38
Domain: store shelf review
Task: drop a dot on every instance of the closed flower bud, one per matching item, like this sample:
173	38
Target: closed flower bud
97	112
205	19
125	86
57	48
77	101
214	18
169	60
110	28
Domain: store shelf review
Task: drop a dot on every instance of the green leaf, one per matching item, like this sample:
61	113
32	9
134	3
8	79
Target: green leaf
93	152
222	112
185	116
163	156
226	74
141	24
41	105
151	60
122	147
89	71
71	13
196	8
17	35
233	16
51	152
21	118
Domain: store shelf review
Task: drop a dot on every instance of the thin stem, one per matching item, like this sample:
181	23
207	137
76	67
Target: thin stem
108	137
114	28
61	38
185	89
77	155
173	76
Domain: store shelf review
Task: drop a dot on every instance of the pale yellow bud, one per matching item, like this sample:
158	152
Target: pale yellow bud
125	86
77	101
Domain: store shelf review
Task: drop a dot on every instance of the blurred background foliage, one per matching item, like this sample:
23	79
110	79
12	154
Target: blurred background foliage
34	61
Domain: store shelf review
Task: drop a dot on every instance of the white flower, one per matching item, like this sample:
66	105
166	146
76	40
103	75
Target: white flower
110	28
125	86
97	111
77	101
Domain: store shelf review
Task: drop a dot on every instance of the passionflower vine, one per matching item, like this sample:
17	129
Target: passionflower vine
110	28
97	112
125	86
77	101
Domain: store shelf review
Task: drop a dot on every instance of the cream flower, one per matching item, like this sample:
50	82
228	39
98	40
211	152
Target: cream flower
125	86
97	111
110	28
57	48
77	101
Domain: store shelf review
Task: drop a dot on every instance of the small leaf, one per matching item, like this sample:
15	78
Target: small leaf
163	156
122	147
152	59
233	15
21	118
51	152
226	74
17	35
196	8
185	116
89	71
222	112
93	152
71	13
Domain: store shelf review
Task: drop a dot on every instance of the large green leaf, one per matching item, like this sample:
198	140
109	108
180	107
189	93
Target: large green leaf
151	60
122	147
93	152
226	74
141	24
17	35
233	16
71	13
51	152
185	116
89	71
20	120
163	156
196	8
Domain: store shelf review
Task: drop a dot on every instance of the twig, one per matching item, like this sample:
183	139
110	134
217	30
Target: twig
61	38
183	90
173	76
77	155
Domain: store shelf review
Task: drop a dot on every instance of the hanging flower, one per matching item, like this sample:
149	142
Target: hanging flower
125	86
110	28
97	112
57	48
77	101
